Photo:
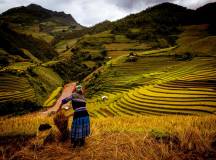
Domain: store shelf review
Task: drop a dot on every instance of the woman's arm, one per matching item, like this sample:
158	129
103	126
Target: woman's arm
64	101
60	107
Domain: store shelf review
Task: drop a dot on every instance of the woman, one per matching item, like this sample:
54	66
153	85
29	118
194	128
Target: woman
81	124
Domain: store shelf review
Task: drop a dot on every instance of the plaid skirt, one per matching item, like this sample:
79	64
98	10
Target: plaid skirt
80	128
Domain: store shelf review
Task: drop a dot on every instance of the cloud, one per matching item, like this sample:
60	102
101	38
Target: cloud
95	12
90	12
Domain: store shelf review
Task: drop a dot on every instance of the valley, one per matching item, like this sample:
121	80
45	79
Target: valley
156	70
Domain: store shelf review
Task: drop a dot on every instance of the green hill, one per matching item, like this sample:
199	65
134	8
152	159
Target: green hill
12	42
39	22
161	19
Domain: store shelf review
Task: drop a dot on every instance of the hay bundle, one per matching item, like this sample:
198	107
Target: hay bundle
61	121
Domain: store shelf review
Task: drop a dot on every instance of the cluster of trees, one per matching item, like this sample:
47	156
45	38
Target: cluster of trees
71	69
162	21
100	27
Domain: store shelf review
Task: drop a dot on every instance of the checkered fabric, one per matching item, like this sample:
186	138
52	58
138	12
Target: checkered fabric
80	128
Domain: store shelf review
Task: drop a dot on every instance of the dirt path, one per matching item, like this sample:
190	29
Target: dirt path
68	88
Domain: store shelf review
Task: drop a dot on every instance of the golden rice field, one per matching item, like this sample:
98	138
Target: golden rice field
157	86
15	88
27	85
139	137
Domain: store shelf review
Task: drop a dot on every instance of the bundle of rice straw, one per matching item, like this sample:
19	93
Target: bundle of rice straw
61	121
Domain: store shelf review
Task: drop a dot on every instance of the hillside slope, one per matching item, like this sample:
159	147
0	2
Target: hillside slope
174	80
13	43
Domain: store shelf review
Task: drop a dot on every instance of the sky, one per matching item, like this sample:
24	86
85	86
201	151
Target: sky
90	12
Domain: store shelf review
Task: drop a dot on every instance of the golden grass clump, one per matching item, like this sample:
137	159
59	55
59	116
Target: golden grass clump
61	121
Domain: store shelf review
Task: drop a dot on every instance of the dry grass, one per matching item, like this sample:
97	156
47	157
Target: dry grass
61	121
115	54
196	40
149	137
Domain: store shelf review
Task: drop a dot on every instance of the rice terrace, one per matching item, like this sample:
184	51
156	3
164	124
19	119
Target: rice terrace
138	86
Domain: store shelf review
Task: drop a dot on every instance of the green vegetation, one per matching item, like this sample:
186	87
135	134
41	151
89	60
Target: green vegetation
9	42
32	58
64	45
143	87
25	86
35	32
16	94
44	80
155	66
53	97
18	66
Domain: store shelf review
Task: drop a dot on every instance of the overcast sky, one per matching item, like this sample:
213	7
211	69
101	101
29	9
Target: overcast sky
90	12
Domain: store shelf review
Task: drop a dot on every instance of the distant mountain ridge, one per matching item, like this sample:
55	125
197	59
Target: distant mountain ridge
166	14
37	14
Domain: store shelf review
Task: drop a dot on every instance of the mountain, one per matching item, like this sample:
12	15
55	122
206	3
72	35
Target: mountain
39	22
36	14
165	15
162	19
33	28
206	13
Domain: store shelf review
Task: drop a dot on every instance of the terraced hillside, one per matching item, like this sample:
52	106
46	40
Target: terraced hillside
105	43
16	89
157	86
25	87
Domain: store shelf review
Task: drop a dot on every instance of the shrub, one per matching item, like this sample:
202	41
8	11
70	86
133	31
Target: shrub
103	52
184	57
4	60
